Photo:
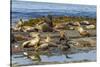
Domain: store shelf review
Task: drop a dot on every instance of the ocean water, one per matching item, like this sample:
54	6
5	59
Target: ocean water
25	10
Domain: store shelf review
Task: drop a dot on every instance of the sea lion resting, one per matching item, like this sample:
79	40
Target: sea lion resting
47	43
32	43
43	44
82	31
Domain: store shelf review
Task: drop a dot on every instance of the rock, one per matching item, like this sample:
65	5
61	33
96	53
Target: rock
45	27
64	48
13	40
32	55
16	49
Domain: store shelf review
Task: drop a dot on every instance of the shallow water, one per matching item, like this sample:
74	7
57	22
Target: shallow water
77	57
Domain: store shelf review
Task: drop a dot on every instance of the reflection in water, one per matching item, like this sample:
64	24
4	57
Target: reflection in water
44	59
34	56
91	56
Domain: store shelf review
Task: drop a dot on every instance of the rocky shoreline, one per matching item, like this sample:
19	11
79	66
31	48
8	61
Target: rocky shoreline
48	36
84	41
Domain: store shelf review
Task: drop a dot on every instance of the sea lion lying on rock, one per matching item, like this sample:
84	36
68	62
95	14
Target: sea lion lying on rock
82	31
47	43
44	27
35	42
20	37
90	27
29	29
85	43
85	23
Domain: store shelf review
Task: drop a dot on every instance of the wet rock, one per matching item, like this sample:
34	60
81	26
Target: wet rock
32	55
15	49
13	40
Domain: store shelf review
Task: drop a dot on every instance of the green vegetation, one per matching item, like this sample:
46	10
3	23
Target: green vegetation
57	19
32	21
63	19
